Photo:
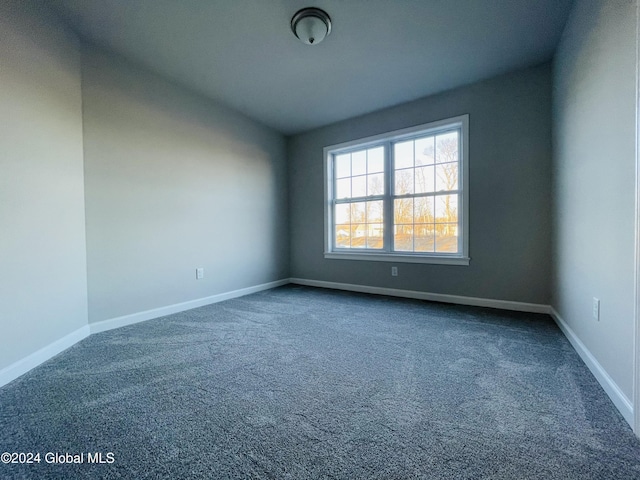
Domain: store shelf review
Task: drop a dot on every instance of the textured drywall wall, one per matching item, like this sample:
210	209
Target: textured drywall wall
175	182
594	171
43	291
509	187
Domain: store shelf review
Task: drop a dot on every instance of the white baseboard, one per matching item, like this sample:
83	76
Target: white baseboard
619	399
125	320
22	366
434	297
616	395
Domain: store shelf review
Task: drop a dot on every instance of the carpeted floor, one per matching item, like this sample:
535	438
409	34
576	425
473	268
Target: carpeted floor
302	383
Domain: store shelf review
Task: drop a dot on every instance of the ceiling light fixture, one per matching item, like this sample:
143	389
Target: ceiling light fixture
311	25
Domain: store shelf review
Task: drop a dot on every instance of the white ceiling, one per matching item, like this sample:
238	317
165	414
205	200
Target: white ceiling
380	52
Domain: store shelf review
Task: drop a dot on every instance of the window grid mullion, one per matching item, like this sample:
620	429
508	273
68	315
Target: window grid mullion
388	204
429	194
359	199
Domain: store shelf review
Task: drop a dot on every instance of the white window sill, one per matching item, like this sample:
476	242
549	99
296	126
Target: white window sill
395	257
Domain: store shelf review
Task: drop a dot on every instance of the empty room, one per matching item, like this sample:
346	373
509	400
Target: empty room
383	239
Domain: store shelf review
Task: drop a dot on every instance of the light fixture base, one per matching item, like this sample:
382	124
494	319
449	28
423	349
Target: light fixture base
311	25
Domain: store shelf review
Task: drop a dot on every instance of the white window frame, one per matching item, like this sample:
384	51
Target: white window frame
386	140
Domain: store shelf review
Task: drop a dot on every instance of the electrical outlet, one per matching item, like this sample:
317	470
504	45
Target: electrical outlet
596	309
199	273
394	271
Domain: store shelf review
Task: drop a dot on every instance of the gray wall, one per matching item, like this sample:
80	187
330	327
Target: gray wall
510	170
174	182
43	290
594	171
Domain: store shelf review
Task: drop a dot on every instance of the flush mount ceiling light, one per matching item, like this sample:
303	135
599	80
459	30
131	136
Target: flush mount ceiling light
311	25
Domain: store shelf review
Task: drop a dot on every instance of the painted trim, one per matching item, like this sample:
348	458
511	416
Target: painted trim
434	297
619	399
22	366
399	258
636	276
38	357
125	320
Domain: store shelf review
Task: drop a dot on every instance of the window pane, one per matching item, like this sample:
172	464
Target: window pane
342	213
424	148
424	237
423	210
403	238
375	160
424	179
447	147
403	154
446	177
375	235
375	184
358	236
358	212
447	209
343	188
404	181
374	211
359	163
447	238
403	211
342	236
359	186
343	165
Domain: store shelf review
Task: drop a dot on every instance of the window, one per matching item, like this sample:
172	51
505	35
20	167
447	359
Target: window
401	196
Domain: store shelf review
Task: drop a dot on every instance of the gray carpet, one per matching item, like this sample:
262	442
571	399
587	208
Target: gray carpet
302	383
